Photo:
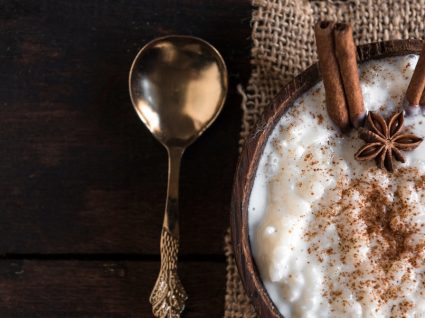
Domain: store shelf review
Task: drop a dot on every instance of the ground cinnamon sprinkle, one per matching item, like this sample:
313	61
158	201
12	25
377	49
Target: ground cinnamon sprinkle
378	217
320	119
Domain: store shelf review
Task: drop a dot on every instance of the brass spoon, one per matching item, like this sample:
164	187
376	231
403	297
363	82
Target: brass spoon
178	85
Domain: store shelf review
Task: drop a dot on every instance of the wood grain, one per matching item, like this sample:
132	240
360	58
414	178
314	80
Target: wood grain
79	173
251	155
82	181
98	289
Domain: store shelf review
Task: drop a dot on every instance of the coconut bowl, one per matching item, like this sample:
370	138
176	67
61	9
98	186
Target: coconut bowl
251	155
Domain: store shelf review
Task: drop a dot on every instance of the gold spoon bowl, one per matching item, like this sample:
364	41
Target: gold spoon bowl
178	85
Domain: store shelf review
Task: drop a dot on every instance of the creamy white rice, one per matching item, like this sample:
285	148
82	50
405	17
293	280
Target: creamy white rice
331	236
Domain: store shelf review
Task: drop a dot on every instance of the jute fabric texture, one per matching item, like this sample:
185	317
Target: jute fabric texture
283	46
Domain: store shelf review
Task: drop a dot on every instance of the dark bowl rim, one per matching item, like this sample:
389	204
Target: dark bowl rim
251	154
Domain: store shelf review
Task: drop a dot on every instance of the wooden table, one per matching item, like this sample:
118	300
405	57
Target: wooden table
82	182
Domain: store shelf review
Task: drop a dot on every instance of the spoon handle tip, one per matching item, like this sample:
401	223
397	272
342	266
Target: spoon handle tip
168	296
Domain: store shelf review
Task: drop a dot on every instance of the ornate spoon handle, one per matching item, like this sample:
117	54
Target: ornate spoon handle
168	296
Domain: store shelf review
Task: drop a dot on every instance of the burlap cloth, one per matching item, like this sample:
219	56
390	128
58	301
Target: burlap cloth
283	45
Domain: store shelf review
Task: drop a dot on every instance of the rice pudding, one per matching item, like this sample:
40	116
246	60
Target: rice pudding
332	236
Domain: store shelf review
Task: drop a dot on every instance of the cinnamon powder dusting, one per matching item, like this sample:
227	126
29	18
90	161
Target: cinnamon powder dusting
370	214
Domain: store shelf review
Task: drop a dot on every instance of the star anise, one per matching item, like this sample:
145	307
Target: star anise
385	140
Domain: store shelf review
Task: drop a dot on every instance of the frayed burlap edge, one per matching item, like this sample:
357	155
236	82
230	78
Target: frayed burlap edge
282	46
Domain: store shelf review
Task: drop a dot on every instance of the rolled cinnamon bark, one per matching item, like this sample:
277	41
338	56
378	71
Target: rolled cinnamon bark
346	55
422	100
328	66
417	83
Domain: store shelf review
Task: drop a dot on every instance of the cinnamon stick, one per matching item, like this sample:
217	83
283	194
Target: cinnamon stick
346	55
328	66
417	83
422	100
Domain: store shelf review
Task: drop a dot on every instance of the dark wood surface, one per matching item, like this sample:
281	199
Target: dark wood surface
119	289
82	181
251	155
